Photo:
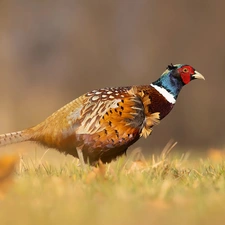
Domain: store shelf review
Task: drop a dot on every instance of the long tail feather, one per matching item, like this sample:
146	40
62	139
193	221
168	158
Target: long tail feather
14	137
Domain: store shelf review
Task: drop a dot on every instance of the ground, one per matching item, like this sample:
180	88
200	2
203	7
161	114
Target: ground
166	189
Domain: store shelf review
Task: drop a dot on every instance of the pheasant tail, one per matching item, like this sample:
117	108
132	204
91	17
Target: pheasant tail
15	137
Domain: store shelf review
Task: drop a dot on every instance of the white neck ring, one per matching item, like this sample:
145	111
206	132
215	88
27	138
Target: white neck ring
168	96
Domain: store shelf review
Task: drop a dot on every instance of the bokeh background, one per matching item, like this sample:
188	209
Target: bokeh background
53	51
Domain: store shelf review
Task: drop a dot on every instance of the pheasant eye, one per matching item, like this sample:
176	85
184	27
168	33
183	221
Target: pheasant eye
185	70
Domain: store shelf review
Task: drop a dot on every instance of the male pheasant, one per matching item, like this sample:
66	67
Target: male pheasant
103	123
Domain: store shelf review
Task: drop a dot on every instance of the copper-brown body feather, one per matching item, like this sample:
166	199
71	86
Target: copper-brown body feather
102	123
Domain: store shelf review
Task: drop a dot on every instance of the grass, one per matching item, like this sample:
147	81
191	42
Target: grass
169	189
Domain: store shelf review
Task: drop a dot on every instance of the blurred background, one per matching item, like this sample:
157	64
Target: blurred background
53	51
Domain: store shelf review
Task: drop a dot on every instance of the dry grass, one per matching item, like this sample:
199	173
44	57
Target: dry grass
168	189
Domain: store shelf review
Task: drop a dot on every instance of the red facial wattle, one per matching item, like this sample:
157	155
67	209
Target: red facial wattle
186	78
186	72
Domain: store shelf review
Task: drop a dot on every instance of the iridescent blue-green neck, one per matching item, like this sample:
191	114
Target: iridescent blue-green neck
170	82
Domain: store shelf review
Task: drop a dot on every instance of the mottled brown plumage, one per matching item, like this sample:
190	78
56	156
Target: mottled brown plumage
102	123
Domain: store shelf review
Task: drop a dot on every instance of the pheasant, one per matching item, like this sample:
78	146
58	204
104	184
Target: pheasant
102	124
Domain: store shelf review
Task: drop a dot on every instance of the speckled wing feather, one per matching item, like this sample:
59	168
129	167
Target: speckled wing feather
114	117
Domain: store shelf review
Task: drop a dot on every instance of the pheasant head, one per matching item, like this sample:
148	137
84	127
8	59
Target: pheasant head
174	78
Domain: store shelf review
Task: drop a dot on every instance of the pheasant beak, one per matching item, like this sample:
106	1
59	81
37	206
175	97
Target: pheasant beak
197	75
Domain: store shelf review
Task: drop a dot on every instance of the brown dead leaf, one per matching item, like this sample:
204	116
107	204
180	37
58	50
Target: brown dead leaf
137	166
96	173
7	166
216	154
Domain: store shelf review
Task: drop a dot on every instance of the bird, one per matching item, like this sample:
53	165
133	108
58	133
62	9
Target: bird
101	124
